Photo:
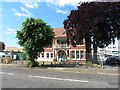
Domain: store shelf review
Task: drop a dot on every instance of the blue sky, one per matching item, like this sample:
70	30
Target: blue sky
14	12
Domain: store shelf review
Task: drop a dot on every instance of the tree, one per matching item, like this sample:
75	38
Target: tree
2	46
34	36
97	22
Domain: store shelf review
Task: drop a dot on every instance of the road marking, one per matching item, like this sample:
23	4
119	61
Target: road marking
61	79
6	73
107	73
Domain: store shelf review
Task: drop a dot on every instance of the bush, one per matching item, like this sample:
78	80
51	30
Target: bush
32	64
7	60
96	65
90	64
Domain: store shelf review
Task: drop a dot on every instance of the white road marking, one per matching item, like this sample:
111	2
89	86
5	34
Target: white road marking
107	73
6	73
61	79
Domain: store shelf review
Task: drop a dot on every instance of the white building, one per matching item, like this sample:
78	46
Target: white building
112	49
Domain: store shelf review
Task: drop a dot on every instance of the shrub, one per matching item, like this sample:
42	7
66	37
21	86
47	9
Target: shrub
88	64
32	64
7	60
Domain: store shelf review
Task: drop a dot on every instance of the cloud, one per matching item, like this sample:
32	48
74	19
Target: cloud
62	3
25	10
31	5
62	11
21	14
26	14
11	31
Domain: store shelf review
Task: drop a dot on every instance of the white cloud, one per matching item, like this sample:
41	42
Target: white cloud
14	10
11	31
62	3
21	14
25	10
62	11
31	4
26	14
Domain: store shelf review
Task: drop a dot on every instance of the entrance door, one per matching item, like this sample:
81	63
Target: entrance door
61	56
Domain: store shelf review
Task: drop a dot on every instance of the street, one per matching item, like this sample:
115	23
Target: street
13	77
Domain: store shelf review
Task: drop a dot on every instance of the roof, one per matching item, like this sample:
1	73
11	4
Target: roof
59	32
13	49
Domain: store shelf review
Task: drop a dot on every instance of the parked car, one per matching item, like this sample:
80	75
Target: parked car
7	59
113	60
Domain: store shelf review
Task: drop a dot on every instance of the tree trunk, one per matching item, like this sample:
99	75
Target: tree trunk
88	48
95	50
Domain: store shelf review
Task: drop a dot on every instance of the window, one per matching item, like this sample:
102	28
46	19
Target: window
51	55
73	54
82	42
81	54
47	55
68	53
77	55
42	55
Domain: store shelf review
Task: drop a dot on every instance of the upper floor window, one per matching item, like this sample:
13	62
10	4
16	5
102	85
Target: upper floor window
61	41
80	43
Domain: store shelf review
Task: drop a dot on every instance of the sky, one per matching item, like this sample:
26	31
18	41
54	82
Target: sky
14	12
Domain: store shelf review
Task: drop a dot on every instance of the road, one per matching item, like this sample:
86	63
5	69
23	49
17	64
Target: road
30	78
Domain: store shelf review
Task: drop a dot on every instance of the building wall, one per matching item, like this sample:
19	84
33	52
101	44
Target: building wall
60	51
111	49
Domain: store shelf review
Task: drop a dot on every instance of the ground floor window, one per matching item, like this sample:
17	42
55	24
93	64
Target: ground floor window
73	54
67	53
51	55
42	55
82	54
47	55
77	54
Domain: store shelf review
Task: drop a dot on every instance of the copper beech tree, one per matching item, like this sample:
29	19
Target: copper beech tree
97	22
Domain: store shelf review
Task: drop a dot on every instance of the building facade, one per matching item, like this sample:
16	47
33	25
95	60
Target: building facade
111	50
60	51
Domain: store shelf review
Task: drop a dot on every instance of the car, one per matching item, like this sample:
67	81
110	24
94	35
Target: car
113	60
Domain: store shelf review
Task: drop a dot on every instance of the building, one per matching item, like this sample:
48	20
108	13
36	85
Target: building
111	50
60	51
13	51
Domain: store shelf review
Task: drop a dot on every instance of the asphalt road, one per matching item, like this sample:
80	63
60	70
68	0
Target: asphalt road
29	78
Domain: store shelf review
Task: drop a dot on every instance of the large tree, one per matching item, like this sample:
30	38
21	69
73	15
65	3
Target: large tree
2	46
97	22
34	36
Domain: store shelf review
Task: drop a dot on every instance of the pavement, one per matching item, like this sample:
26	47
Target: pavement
107	70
